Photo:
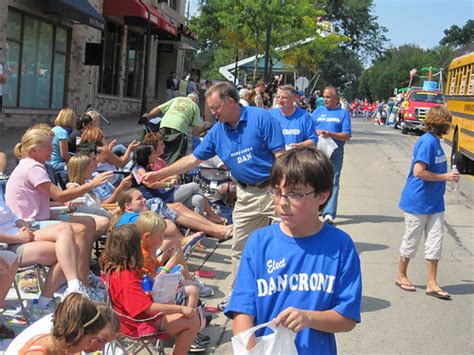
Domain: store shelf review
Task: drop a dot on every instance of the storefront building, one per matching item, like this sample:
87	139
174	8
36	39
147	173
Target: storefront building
59	53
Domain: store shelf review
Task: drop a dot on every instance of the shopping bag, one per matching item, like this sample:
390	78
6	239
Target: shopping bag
280	342
164	288
326	145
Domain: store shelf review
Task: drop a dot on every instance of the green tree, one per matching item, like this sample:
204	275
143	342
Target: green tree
230	27
458	37
354	19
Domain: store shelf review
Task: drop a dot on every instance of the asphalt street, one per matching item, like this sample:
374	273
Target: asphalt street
376	164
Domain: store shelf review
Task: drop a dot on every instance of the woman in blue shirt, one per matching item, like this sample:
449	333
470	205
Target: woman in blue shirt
422	202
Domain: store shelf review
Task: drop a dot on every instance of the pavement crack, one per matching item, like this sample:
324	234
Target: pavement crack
457	239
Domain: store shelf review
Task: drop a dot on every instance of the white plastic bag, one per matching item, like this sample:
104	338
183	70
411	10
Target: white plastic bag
326	145
164	288
280	342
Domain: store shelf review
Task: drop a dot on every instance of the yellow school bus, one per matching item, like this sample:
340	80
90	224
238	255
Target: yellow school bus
460	100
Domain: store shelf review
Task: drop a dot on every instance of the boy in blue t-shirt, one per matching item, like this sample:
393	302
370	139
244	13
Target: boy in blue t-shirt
301	273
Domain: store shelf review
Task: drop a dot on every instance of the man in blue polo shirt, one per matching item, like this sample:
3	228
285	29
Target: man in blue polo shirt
296	123
247	140
335	122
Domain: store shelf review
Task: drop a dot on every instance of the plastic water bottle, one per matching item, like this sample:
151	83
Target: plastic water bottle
455	184
147	284
35	312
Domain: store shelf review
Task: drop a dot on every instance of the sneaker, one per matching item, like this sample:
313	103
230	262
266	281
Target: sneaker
204	290
95	281
197	346
203	338
329	219
82	290
96	294
222	305
36	312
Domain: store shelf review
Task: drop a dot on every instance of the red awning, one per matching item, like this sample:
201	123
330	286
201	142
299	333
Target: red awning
134	8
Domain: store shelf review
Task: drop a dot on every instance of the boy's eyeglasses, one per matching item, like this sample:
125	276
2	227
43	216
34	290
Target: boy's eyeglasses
290	196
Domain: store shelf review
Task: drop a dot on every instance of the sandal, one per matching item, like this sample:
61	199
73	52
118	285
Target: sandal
6	333
229	235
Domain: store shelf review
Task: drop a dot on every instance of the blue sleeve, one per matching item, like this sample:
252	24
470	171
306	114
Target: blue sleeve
348	287
271	132
244	291
346	123
60	133
207	148
310	129
422	152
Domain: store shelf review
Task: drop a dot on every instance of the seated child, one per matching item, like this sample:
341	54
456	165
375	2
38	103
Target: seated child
122	261
301	273
151	228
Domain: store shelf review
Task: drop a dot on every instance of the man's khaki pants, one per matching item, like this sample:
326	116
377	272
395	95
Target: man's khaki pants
253	209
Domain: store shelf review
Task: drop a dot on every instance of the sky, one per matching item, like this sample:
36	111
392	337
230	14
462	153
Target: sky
419	22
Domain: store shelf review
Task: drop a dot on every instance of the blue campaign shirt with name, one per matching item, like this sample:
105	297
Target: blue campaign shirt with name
319	272
420	196
247	150
333	120
297	127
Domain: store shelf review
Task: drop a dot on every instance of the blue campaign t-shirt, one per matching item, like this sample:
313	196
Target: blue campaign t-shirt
319	272
333	120
420	196
127	218
247	150
59	134
297	127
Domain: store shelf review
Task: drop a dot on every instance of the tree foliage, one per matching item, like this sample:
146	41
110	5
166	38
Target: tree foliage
230	28
458	37
354	19
391	70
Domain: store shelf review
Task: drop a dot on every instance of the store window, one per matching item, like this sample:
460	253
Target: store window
110	69
134	67
36	62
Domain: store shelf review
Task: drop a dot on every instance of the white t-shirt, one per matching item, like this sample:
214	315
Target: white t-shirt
41	326
7	219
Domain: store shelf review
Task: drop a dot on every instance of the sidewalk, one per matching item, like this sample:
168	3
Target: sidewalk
122	128
216	258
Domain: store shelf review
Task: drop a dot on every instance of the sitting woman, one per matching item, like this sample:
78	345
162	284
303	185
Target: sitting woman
80	168
106	159
64	124
77	322
190	194
29	190
52	246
